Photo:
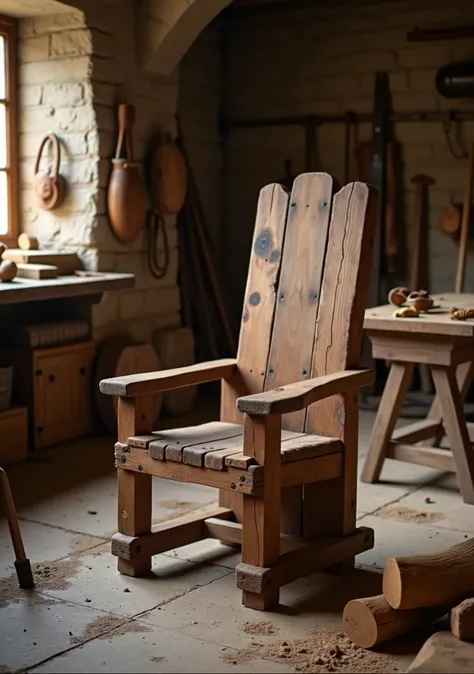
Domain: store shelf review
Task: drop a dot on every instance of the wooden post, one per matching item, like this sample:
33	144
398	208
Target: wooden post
135	416
261	516
395	390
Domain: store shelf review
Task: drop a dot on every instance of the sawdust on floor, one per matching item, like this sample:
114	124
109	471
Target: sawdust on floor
321	651
157	659
404	514
260	628
177	509
47	576
107	627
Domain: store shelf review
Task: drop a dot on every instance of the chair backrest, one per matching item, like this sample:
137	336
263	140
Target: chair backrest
306	292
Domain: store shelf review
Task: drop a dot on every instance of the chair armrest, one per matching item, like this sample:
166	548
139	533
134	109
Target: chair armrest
165	380
298	396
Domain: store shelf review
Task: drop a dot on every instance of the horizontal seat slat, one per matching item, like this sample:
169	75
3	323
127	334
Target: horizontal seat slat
219	446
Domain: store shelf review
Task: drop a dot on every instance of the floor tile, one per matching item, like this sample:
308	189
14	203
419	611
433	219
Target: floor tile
141	647
394	539
208	551
442	503
42	544
37	628
98	583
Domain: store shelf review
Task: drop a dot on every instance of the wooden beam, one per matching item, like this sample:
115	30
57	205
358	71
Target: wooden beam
166	380
238	481
294	397
167	535
297	563
441	459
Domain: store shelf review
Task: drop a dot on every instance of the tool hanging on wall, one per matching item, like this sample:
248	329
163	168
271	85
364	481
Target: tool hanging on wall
168	184
126	198
202	293
419	274
465	224
50	185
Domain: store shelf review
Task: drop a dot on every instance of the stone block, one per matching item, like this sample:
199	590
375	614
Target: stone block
64	94
34	49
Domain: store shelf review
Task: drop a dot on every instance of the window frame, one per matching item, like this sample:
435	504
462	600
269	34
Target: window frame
9	29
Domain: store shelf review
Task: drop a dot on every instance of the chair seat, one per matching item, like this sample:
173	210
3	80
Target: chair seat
219	445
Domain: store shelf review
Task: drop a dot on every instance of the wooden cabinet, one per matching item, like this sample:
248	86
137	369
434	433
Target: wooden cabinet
55	384
13	435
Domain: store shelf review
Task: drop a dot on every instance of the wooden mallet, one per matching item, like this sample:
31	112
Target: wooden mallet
22	563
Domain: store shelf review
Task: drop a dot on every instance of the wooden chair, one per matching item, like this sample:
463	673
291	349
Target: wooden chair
289	497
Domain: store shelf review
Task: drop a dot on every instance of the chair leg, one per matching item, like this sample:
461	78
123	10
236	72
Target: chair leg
134	516
261	516
135	415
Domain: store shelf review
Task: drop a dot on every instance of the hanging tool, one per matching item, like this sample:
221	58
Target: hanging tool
196	217
421	182
349	121
126	196
167	188
22	563
378	180
465	224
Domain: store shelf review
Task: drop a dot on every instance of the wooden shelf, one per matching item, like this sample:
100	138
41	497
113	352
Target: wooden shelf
65	287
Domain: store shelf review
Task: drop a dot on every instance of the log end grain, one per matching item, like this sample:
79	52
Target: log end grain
360	624
392	583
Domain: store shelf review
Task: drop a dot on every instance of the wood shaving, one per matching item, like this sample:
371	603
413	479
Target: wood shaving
158	659
321	651
403	514
108	627
47	576
461	314
261	628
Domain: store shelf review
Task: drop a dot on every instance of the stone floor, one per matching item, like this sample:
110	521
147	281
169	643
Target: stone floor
84	617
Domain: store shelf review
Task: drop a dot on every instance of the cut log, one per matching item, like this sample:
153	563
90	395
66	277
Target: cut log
444	653
371	620
462	620
441	579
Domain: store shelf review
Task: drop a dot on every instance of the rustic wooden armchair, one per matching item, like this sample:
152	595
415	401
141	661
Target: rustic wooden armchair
288	496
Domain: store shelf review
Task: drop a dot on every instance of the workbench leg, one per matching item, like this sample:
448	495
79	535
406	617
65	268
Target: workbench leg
395	391
464	377
454	421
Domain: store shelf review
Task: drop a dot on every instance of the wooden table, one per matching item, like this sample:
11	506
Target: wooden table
447	348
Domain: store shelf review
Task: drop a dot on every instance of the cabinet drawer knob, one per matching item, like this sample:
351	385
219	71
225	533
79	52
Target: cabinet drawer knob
38	373
39	429
82	370
52	378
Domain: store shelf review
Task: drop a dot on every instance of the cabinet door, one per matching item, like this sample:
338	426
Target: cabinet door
62	394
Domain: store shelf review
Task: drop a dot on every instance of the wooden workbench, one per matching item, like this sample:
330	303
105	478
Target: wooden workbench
447	348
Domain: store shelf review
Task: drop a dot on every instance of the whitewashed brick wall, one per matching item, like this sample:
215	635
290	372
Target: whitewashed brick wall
75	69
322	60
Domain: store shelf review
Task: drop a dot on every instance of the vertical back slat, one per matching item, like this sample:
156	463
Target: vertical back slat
299	290
258	313
337	347
259	302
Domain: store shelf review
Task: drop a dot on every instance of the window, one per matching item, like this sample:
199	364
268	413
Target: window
8	132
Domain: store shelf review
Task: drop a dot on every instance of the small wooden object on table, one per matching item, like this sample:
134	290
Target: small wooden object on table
296	369
447	347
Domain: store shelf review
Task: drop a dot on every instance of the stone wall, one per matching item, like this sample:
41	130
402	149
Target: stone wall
322	60
75	69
